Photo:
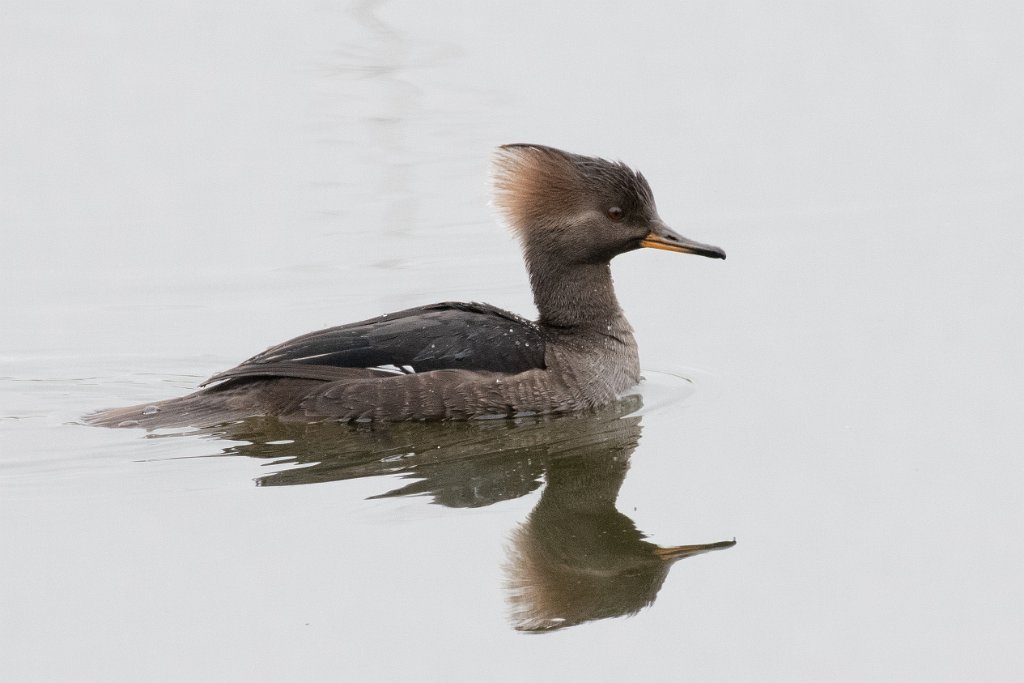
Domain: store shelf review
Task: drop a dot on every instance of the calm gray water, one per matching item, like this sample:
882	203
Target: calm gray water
182	187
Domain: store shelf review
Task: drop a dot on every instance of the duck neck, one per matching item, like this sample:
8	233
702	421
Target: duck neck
575	297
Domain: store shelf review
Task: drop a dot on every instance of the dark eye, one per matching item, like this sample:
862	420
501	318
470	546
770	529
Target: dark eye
615	213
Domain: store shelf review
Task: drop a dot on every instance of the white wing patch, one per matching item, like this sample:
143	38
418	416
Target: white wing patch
300	359
404	370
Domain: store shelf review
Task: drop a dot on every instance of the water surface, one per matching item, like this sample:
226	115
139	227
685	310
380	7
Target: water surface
182	188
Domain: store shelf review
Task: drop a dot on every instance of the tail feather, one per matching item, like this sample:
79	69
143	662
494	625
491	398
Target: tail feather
186	411
226	402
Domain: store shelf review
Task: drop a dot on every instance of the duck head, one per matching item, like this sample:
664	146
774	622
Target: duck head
580	209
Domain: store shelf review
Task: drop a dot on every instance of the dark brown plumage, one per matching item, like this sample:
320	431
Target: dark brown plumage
572	215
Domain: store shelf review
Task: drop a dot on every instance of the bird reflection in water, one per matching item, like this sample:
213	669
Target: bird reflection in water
576	558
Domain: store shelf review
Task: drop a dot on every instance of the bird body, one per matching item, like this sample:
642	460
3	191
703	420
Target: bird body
452	360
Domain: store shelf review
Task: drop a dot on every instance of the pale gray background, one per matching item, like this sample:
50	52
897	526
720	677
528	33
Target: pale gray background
182	185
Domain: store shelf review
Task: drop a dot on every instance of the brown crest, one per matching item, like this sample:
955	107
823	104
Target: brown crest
535	185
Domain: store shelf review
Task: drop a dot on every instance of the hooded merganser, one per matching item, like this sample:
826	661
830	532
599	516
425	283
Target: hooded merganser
572	214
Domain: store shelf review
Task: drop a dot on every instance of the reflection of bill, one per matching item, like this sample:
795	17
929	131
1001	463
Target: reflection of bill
576	558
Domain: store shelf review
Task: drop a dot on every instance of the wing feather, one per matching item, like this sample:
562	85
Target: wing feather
450	335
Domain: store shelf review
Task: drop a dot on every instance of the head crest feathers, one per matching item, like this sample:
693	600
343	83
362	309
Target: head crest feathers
534	184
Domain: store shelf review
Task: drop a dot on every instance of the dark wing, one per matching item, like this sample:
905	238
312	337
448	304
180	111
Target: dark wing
446	335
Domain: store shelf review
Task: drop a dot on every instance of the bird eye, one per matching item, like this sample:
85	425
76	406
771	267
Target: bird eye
615	213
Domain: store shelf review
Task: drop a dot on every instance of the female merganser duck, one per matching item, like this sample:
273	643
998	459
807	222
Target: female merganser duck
572	215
